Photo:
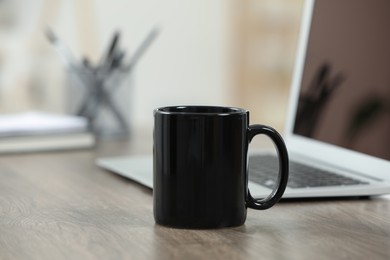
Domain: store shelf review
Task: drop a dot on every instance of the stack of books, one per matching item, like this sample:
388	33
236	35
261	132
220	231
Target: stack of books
41	131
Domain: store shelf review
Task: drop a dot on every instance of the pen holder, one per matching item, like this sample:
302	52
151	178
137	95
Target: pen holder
104	99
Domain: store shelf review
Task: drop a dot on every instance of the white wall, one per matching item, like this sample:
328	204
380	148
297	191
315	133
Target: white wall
189	61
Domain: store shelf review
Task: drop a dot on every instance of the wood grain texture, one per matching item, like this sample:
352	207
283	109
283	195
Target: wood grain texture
62	206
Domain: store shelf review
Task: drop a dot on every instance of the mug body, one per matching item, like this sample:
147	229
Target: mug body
200	166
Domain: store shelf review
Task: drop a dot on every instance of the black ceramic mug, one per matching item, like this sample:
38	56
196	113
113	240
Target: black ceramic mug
201	166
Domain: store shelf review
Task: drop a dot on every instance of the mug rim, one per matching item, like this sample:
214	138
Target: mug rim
196	110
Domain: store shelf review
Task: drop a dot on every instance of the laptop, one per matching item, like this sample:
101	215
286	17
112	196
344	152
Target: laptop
338	123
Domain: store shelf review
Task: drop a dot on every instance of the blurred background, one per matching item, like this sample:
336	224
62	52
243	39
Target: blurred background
235	53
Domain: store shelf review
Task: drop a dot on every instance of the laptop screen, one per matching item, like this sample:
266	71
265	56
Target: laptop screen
344	98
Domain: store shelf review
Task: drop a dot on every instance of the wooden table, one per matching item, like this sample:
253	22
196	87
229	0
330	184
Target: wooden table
62	206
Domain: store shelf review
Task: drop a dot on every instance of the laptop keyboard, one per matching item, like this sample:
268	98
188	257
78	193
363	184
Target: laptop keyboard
262	170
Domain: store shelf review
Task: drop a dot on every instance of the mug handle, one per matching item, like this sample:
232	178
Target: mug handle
281	184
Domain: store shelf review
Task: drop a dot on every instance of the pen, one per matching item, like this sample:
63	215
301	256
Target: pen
142	48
